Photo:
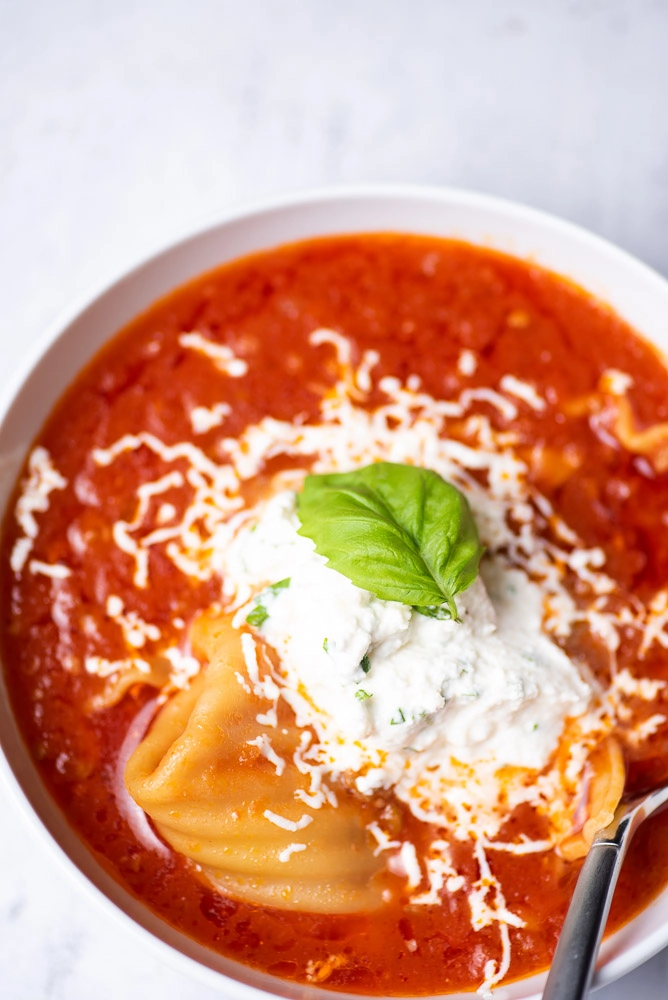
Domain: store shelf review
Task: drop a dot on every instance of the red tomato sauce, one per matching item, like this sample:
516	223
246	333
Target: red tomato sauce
419	302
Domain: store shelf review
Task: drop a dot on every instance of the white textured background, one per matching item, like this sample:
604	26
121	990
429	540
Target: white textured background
124	123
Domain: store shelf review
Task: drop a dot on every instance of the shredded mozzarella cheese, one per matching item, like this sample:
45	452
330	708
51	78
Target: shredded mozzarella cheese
526	543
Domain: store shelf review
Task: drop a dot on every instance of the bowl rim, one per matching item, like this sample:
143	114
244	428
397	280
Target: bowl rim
27	363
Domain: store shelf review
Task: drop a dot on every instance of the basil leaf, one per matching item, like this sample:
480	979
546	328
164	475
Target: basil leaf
399	531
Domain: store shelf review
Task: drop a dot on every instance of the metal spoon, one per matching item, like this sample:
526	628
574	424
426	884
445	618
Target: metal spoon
574	960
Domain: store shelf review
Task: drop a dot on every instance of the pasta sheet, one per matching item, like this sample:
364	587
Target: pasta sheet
235	804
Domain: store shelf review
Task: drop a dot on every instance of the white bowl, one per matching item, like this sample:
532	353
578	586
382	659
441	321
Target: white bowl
638	294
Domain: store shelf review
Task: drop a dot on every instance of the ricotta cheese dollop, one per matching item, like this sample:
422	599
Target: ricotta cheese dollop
383	684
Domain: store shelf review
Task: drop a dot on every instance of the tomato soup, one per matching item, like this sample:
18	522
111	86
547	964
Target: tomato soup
185	701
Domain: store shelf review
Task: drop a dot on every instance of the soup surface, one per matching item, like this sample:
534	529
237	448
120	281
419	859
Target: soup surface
424	835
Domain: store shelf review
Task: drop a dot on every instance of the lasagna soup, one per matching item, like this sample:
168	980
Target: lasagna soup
335	609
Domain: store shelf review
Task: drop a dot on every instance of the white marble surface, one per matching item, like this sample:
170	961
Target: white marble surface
123	124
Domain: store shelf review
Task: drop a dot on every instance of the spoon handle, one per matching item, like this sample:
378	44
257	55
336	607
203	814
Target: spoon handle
575	957
573	964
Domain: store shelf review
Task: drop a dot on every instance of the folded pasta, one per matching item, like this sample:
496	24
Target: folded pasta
606	775
213	794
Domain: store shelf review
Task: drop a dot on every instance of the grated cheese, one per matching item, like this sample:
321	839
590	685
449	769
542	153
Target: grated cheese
135	630
383	840
291	849
410	864
57	571
102	667
222	356
530	550
203	419
616	382
43	478
524	391
287	824
263	743
184	667
467	362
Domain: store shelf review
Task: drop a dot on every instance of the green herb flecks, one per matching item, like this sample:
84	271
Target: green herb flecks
362	695
257	616
365	664
398	531
259	613
397	719
325	645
